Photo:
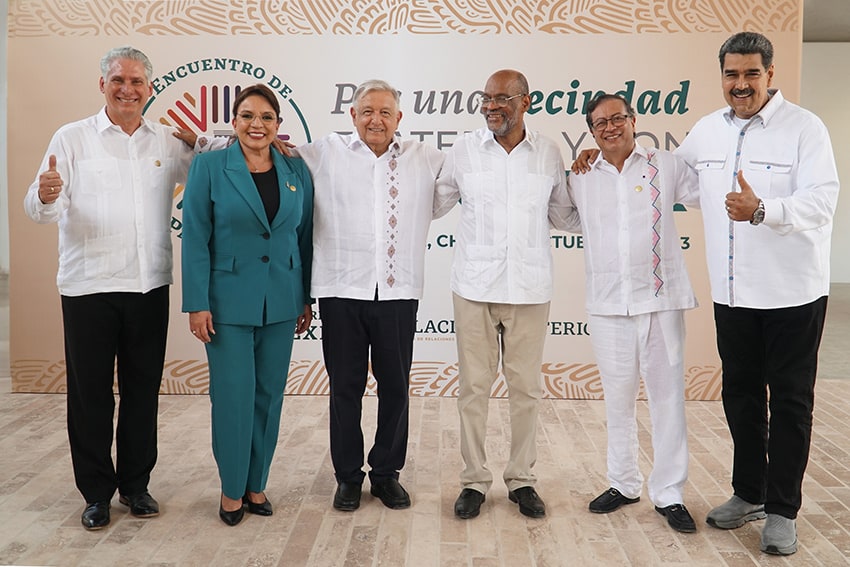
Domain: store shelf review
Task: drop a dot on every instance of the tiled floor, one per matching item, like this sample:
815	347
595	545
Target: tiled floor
40	508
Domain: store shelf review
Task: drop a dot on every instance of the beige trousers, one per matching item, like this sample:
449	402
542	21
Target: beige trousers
485	333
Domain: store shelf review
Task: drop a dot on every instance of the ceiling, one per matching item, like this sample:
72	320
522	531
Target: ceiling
826	20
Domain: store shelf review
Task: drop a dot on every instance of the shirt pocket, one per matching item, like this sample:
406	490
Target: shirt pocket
223	262
709	163
107	256
97	176
769	176
535	275
483	264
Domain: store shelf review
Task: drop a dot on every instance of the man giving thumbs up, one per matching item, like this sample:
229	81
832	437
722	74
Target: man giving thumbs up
108	181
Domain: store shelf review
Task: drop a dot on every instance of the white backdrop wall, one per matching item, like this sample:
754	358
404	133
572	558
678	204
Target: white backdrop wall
666	61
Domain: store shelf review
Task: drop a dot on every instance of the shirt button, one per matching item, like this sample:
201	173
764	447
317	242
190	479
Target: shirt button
265	259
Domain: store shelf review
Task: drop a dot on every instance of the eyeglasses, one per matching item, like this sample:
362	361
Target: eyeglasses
497	101
617	120
267	119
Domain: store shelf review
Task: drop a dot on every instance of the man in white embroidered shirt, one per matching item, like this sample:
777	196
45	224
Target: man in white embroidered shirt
768	190
510	181
373	203
637	293
109	180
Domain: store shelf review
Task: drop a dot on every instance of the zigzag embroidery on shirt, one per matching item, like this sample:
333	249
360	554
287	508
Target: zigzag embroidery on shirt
655	193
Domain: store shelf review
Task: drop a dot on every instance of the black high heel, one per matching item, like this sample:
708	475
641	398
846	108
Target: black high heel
231	518
263	509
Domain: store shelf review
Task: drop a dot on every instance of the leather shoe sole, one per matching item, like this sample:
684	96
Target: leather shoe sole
391	493
468	504
609	501
96	515
347	496
678	517
141	505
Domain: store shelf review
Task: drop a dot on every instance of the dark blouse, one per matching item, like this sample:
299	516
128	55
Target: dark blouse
267	186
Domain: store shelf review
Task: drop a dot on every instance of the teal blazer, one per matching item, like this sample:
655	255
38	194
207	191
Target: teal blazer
235	264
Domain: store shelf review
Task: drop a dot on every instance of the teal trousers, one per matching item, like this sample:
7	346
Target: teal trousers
248	371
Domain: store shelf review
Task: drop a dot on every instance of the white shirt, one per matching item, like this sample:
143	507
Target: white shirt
114	211
632	251
364	232
503	252
786	156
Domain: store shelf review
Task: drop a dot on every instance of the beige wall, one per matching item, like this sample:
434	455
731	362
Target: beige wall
658	52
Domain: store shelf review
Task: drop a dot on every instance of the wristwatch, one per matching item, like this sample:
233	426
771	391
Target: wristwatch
758	214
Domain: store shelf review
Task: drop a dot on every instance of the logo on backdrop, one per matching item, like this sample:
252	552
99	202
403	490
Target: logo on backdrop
198	96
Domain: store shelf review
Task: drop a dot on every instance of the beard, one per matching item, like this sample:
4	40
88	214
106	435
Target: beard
507	123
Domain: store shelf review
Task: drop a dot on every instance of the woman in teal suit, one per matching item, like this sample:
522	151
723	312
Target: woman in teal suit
247	250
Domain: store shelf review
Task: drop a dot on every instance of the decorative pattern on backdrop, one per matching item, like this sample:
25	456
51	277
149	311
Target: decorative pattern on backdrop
39	18
578	381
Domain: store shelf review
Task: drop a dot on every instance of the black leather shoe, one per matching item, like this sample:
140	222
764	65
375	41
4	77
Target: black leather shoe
263	509
468	504
529	502
347	497
678	517
96	515
231	518
141	505
609	501
391	493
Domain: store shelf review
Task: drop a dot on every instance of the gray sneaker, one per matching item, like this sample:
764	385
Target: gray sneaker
734	513
779	536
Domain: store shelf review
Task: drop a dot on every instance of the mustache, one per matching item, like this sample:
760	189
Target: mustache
741	92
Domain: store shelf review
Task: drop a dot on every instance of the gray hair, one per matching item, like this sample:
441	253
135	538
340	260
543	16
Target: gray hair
748	43
125	52
373	86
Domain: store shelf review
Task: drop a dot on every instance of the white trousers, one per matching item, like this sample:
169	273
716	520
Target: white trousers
649	345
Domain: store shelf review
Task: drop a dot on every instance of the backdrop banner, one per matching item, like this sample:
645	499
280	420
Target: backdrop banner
662	56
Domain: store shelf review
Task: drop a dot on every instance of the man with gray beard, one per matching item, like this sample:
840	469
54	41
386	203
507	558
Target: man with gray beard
511	182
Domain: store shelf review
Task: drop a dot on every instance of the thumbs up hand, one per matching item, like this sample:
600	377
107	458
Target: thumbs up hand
49	182
740	205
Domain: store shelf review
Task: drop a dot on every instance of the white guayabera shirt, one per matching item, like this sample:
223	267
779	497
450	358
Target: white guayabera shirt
114	211
371	216
508	202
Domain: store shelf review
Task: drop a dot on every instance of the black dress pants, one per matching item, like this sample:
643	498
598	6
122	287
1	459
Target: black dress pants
99	328
769	359
351	328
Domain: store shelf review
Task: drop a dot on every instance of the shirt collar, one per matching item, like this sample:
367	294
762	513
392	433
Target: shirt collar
355	143
767	111
638	152
530	138
103	123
